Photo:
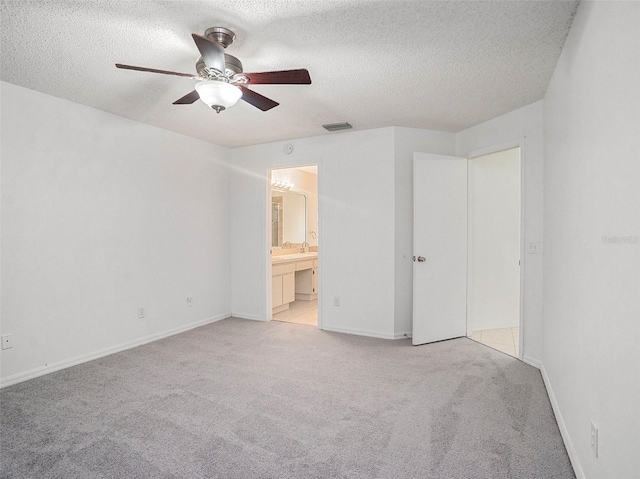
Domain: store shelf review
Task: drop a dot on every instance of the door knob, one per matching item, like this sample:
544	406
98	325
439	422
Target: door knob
421	259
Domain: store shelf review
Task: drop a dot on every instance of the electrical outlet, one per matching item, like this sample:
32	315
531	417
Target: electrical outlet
189	301
336	300
141	313
7	341
594	439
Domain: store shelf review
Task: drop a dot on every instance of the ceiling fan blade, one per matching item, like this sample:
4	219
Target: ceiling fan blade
188	99
257	100
283	77
212	52
153	70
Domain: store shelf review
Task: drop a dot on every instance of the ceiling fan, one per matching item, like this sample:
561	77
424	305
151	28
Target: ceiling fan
221	81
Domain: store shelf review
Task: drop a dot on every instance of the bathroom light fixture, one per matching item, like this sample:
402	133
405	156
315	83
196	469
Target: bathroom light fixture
280	185
218	95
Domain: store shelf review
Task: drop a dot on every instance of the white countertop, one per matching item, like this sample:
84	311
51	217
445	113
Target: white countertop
283	258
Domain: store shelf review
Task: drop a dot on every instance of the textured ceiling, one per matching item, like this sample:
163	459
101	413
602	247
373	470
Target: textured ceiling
442	65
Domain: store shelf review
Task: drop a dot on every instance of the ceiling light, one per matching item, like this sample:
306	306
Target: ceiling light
218	95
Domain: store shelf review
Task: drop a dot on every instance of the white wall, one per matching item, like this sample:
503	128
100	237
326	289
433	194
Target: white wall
101	215
494	241
356	261
406	142
591	357
520	126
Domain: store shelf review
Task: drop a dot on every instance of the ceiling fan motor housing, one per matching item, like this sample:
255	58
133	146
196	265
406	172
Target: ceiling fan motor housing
221	35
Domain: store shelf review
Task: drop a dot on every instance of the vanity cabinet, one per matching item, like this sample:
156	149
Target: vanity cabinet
293	276
307	282
282	286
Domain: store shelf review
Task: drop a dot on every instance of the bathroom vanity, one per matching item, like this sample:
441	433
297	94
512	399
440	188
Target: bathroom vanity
293	276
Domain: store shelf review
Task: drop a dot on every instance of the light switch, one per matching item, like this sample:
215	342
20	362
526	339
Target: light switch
534	247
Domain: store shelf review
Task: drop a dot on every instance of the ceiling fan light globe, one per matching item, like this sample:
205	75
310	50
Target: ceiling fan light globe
218	95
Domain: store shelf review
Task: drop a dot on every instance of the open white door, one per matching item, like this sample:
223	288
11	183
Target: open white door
440	247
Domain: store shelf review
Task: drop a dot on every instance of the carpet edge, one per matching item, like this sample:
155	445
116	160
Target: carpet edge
364	332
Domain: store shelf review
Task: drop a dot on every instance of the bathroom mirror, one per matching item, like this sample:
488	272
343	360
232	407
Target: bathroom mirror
288	218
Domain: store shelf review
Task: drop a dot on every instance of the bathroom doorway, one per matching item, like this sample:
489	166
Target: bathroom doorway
293	243
494	250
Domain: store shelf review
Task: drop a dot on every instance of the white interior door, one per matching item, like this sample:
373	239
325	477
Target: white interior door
440	247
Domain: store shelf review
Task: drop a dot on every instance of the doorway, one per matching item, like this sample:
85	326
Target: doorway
468	217
494	250
293	243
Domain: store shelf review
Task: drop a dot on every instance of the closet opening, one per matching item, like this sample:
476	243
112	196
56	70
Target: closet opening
494	250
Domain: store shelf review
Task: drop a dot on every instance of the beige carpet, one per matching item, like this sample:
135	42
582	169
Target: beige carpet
244	399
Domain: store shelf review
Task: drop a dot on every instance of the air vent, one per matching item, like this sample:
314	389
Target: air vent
337	126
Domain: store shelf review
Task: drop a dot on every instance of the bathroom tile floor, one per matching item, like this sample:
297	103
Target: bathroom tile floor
503	339
301	312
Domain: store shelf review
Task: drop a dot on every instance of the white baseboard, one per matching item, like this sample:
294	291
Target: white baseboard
573	456
403	335
252	317
67	363
361	332
532	361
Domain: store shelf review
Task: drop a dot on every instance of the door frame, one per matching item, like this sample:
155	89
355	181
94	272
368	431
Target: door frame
267	237
497	148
